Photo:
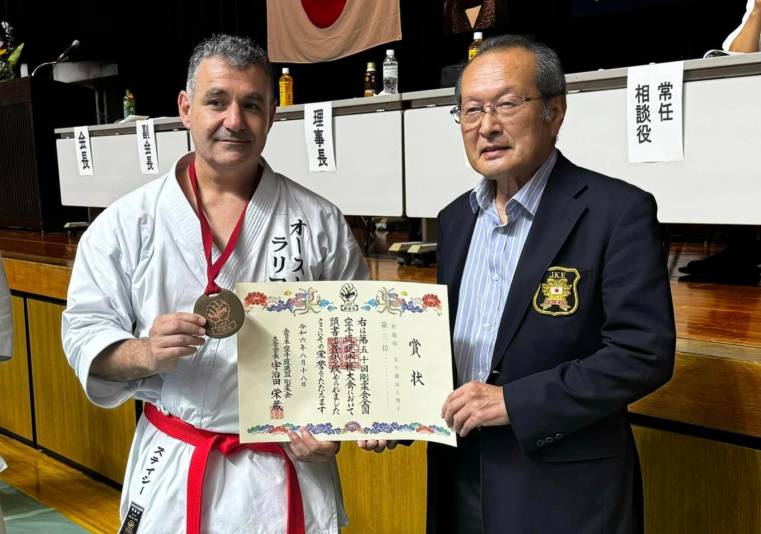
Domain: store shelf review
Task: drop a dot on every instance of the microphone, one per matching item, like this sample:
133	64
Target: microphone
74	44
63	57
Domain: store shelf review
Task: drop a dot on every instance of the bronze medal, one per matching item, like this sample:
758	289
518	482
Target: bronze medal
223	311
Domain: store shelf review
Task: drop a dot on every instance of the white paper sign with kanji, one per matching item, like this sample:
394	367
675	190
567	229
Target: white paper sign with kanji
318	133
146	147
83	150
654	112
347	360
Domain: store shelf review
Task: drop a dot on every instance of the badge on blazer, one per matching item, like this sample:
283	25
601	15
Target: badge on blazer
557	295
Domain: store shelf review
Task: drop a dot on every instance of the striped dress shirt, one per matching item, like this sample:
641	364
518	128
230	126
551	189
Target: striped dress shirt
495	249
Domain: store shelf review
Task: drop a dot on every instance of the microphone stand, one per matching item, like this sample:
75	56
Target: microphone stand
63	57
38	67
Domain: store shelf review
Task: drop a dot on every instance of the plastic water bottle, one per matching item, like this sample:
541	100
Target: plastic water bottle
128	104
390	74
475	46
285	86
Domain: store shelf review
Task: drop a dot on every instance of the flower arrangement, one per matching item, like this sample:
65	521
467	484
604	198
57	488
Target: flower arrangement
9	52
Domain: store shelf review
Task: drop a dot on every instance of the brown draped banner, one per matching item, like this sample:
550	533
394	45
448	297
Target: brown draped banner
312	31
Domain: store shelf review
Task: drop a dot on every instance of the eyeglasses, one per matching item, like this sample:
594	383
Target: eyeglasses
505	108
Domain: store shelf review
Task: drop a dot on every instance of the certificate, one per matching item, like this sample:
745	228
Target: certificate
347	360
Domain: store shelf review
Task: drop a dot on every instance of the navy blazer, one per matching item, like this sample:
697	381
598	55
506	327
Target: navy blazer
569	365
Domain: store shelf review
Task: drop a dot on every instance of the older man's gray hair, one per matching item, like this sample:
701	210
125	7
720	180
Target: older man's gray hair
549	75
239	52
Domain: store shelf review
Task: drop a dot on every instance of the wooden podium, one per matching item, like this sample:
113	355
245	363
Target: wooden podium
30	108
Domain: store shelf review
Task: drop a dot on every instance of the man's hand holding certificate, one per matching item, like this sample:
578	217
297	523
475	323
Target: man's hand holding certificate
345	360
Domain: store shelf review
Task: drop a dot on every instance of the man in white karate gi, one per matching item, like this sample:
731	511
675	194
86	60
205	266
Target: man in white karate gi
129	330
747	37
6	343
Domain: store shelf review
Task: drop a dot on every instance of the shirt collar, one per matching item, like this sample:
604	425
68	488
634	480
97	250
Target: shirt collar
527	197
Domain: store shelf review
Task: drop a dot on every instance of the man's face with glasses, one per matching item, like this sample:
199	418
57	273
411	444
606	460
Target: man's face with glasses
501	115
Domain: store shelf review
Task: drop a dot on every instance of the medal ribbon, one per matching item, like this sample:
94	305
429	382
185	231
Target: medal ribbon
213	268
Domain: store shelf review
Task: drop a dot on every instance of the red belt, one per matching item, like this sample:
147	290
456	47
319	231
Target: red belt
205	442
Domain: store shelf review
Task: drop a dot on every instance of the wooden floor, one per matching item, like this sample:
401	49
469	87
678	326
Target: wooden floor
708	312
92	505
52	248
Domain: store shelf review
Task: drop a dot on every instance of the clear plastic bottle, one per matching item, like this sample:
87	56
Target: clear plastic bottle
370	80
478	37
285	85
390	74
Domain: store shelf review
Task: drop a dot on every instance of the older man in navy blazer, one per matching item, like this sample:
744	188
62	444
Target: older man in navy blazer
561	316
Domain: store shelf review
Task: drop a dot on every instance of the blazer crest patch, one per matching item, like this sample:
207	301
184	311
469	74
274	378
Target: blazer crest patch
557	294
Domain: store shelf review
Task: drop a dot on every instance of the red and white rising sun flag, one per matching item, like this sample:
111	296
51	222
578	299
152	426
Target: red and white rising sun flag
312	31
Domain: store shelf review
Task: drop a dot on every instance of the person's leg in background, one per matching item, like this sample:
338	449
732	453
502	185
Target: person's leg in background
739	259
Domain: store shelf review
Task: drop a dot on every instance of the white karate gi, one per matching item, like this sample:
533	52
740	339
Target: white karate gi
6	341
6	321
143	257
732	36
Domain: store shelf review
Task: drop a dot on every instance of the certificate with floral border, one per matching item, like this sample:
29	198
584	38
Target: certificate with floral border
347	360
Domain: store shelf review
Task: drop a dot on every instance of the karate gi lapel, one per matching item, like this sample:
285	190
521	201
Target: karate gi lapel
185	221
182	223
260	210
557	214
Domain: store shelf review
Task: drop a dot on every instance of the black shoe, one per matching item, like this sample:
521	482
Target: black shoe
728	261
742	278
